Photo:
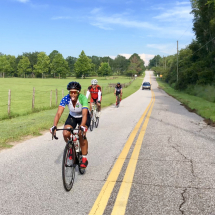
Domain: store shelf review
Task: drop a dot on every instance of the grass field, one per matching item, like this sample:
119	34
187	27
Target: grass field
201	106
16	128
22	93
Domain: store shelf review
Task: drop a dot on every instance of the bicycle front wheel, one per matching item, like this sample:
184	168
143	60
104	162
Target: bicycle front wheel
97	122
68	166
118	101
92	121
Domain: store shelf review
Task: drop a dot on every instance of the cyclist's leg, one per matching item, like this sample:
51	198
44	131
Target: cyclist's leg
99	105
116	97
70	123
91	101
84	143
120	97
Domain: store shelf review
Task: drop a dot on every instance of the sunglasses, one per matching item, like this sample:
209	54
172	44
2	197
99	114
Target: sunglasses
73	92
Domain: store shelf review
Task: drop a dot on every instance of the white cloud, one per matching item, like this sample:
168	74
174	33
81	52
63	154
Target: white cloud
123	19
95	10
182	3
100	25
23	1
144	57
177	13
164	48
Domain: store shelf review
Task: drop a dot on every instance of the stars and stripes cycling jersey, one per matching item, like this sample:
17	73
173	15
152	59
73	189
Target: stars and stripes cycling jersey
95	93
76	111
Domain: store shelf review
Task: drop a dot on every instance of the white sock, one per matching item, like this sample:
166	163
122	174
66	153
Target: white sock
84	156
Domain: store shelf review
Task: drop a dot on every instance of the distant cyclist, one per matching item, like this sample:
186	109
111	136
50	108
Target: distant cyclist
96	95
78	114
118	91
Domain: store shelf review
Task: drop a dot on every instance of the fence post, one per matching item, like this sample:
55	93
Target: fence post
56	97
51	98
33	98
9	102
62	93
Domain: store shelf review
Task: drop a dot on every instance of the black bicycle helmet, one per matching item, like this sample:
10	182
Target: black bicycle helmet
74	85
118	83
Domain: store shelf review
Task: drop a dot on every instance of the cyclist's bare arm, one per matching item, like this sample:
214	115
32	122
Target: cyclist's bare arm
84	117
87	94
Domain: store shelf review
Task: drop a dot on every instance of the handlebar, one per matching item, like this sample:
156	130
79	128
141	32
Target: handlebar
69	129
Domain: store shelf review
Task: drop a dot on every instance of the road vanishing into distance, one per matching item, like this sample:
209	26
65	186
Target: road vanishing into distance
149	156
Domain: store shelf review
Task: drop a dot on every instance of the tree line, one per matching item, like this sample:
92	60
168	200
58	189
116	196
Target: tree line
39	64
196	62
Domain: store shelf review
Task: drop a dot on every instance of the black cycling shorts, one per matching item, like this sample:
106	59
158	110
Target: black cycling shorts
74	121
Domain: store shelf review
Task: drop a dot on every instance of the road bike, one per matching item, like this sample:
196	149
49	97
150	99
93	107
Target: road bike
94	116
117	100
72	157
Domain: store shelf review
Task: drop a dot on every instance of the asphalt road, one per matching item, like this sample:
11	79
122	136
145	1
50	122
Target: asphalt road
169	168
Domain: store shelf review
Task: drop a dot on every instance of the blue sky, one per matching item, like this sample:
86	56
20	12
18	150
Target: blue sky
99	27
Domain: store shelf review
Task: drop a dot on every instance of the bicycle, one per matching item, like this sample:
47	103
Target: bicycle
94	117
72	157
118	100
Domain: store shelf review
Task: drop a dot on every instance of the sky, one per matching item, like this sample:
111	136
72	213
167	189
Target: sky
99	27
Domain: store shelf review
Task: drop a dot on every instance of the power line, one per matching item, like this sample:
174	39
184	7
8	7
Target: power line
185	31
203	45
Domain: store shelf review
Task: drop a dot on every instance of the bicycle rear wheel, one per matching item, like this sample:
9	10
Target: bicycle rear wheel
68	166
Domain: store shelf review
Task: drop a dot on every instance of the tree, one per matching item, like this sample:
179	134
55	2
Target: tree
96	61
120	64
43	64
24	66
154	61
12	60
4	64
82	65
71	63
139	64
32	56
104	70
59	66
53	54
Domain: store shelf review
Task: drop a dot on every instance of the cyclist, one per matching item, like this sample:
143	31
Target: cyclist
118	90
96	95
78	114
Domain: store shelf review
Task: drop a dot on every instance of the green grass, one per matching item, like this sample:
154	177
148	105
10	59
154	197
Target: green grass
203	107
32	124
22	92
206	92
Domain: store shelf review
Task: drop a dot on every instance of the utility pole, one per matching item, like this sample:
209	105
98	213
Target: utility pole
177	60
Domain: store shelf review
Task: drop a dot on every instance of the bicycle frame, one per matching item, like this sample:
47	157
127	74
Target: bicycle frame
94	111
76	156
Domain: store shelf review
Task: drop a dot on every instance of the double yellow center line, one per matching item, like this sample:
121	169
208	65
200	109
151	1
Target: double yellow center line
123	194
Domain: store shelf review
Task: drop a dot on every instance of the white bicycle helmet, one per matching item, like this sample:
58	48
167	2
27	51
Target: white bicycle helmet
94	81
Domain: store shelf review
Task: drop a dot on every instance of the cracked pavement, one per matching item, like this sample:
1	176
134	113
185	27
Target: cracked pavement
175	172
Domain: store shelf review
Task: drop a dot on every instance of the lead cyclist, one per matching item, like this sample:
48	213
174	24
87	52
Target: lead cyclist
78	114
